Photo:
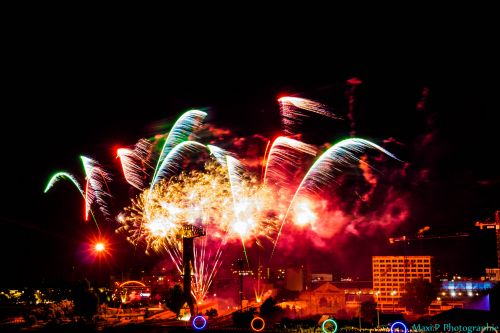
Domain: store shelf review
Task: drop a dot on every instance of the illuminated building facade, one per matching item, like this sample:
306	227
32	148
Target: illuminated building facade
493	274
391	273
326	298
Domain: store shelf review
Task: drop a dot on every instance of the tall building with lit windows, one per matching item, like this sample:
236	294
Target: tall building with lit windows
391	273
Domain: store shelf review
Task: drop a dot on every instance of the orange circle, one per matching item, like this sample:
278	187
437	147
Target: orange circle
257	329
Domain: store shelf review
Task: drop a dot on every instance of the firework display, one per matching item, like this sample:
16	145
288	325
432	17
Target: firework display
191	181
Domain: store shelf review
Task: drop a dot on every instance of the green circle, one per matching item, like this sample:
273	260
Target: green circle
334	323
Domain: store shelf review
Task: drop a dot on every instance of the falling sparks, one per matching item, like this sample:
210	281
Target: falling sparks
328	166
182	129
135	163
96	189
282	160
172	163
222	194
202	198
292	111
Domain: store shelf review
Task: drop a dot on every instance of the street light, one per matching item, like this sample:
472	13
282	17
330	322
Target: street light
377	294
359	313
99	250
393	293
99	246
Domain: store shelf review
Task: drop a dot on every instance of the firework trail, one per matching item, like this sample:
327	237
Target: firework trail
206	267
64	175
282	160
189	122
96	188
242	223
342	154
292	111
236	173
131	170
219	154
264	160
326	168
172	162
135	163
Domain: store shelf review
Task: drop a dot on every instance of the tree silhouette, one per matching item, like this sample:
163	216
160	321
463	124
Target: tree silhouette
418	295
270	311
368	311
174	299
243	319
211	313
85	300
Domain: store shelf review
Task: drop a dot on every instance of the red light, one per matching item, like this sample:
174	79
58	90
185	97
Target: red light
99	247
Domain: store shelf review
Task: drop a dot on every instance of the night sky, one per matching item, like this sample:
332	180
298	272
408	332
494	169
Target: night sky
89	98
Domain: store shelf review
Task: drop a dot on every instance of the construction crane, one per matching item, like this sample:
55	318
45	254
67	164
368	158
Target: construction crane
493	225
420	236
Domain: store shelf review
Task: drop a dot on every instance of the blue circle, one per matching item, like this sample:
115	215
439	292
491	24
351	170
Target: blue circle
400	323
204	323
332	321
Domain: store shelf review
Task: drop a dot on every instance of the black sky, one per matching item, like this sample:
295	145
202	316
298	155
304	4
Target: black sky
67	95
